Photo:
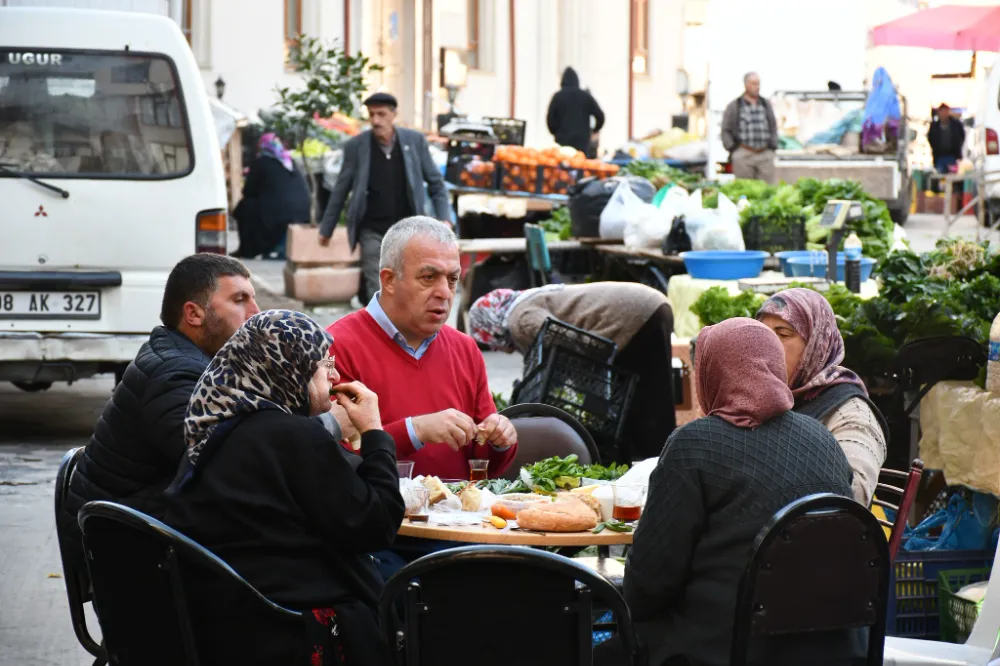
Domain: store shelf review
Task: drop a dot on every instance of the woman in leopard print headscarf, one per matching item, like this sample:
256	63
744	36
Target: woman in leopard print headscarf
269	490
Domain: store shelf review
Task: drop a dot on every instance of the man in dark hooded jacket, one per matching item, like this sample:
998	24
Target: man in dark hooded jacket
570	112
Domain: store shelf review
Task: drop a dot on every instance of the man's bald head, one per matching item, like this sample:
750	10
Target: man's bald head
751	83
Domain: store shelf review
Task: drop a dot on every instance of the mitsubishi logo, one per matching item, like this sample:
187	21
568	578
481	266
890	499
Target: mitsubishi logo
41	212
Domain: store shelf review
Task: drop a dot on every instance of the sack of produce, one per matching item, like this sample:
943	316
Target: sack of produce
625	208
588	198
718	229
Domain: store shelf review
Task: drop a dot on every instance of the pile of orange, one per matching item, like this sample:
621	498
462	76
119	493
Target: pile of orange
477	174
521	172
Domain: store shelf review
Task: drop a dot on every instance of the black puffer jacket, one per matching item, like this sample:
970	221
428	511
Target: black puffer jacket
570	111
139	440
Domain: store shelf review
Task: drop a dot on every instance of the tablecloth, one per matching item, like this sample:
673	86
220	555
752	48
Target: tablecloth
960	434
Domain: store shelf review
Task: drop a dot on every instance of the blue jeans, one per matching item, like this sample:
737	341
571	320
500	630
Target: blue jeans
944	164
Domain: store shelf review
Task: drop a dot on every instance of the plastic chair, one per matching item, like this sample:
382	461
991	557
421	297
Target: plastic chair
74	563
543	601
795	580
544	431
539	260
907	494
162	599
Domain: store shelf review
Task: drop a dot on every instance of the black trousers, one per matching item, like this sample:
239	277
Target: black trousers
652	415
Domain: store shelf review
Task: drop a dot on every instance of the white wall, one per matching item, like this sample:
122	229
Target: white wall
247	48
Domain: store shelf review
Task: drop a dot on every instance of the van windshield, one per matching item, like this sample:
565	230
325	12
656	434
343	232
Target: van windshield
78	114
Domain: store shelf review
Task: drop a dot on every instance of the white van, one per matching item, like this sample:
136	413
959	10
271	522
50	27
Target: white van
110	173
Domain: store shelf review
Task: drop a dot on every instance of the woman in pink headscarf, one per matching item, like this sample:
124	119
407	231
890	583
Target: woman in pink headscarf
823	389
719	480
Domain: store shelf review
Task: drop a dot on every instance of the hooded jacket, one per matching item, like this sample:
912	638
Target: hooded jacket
570	112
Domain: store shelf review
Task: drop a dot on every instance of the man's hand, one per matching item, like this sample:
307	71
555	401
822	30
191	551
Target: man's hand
498	431
450	427
346	427
324	240
361	405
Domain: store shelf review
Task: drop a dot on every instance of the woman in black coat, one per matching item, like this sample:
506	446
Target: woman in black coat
275	194
270	491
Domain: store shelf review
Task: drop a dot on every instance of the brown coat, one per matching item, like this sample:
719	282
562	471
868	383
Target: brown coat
615	310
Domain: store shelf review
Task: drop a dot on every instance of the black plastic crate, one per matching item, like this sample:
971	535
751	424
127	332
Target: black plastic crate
912	611
508	131
792	238
597	394
555	333
471	171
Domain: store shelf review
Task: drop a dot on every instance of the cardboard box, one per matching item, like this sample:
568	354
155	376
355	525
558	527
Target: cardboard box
323	284
302	247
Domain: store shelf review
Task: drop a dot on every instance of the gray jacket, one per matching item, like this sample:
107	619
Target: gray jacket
353	180
731	124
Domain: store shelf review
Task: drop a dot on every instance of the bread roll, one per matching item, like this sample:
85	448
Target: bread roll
590	501
569	515
471	498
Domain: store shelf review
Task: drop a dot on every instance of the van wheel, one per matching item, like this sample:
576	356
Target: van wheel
33	387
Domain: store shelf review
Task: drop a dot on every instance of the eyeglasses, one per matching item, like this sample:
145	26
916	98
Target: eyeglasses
328	363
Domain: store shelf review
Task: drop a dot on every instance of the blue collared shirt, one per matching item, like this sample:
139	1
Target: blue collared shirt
382	319
374	308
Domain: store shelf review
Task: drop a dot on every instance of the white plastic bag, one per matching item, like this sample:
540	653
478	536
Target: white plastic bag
622	206
648	227
717	229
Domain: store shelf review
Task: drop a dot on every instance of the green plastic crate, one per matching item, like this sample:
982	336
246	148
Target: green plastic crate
957	616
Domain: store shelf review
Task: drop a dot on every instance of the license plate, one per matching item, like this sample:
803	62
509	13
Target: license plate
50	304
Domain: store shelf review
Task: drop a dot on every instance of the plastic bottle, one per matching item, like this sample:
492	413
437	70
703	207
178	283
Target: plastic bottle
993	359
852	263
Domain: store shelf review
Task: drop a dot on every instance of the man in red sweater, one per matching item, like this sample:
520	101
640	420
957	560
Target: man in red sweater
430	379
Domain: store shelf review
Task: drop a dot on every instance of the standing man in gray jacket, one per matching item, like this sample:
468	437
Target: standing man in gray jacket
384	171
750	133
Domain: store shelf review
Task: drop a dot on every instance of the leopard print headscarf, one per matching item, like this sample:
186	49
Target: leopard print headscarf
267	364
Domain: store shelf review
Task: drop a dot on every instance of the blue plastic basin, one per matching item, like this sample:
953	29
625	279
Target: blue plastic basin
724	264
816	267
785	255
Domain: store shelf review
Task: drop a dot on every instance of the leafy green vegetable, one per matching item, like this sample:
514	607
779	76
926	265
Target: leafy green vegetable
500	402
556	473
716	305
559	224
613	525
659	174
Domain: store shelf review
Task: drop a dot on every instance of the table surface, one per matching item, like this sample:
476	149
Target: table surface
489	534
650	253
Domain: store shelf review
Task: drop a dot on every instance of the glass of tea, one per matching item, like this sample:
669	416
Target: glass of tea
627	501
405	469
477	470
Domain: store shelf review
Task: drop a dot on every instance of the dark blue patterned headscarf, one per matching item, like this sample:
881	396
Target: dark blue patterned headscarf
267	364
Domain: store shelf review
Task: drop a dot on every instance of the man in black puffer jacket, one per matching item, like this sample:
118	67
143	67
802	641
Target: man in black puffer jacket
570	112
139	440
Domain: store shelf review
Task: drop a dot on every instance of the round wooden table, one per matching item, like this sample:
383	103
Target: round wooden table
489	534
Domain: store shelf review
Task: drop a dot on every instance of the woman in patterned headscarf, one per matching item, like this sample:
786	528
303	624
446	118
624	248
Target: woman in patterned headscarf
636	317
268	489
275	194
823	389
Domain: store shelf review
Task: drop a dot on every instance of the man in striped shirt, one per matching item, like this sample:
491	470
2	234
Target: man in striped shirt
750	133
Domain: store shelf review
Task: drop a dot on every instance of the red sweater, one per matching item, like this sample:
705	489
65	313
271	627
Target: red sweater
450	374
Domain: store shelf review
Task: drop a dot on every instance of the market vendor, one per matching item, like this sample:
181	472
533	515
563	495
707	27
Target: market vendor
636	317
430	379
719	481
823	389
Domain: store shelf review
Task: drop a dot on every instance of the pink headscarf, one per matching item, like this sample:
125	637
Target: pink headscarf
809	313
740	373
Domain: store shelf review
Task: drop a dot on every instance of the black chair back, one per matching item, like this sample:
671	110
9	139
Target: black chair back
544	431
497	604
821	564
74	564
162	599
